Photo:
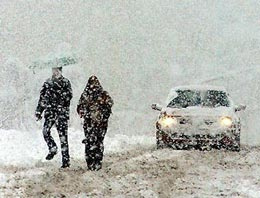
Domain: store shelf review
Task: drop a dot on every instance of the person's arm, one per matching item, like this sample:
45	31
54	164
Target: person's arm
41	103
69	93
81	104
109	101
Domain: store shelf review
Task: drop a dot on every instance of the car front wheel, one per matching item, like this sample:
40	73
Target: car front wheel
236	144
161	140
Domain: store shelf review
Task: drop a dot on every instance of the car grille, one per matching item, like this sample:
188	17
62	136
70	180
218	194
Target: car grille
209	122
196	121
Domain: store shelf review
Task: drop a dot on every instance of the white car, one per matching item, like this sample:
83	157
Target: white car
200	117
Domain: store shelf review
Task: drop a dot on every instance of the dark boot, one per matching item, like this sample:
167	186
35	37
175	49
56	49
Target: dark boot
98	166
85	141
90	163
51	155
65	164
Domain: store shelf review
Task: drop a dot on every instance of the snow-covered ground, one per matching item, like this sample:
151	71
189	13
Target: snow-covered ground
139	50
132	168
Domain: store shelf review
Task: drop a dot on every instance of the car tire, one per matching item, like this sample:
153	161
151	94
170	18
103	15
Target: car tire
236	145
160	144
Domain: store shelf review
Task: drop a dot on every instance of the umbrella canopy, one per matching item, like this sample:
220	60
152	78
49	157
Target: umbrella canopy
61	56
56	62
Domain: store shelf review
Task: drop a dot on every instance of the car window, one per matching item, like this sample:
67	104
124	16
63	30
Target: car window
186	98
214	98
190	98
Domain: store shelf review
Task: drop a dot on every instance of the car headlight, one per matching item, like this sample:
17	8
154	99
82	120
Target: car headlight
226	121
168	121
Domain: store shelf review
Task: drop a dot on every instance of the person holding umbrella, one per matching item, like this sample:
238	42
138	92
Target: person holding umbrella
94	106
55	97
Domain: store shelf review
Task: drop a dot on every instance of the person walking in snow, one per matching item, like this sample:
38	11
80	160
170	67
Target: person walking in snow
55	97
94	106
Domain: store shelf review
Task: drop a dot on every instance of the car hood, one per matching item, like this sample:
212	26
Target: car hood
200	111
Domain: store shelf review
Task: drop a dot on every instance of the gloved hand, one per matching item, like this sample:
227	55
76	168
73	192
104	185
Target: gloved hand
38	116
81	114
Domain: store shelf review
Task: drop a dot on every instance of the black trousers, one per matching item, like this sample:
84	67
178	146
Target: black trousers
94	145
62	128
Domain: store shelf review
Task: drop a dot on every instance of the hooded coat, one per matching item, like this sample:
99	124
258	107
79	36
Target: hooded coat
95	103
95	107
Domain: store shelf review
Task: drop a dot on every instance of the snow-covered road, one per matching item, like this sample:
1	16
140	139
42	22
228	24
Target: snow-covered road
132	168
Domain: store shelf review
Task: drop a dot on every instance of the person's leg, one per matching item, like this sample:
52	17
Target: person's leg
62	128
89	142
90	150
49	139
89	156
99	149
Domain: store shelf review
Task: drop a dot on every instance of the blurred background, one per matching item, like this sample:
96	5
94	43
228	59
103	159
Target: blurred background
139	50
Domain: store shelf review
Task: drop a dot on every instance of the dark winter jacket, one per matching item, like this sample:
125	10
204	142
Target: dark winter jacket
55	98
95	103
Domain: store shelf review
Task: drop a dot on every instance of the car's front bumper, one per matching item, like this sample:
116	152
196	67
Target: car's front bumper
182	141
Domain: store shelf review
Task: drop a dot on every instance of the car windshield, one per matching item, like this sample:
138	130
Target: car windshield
190	98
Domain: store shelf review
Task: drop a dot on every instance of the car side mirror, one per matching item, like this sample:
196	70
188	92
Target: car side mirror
156	107
240	108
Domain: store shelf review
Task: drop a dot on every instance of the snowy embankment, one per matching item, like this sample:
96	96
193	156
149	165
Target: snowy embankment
20	148
132	168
